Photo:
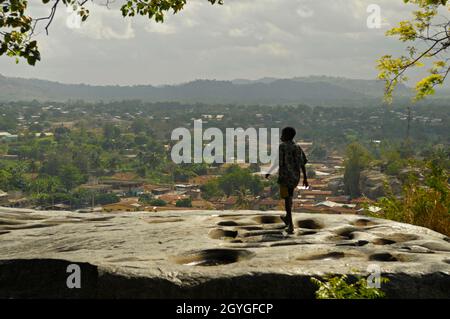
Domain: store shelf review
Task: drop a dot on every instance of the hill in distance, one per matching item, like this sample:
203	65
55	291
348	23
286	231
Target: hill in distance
314	90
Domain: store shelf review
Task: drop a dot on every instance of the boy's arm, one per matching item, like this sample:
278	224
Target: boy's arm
304	160
305	178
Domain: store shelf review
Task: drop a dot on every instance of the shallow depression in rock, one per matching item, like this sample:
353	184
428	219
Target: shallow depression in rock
382	257
268	219
222	233
309	224
213	257
251	228
399	237
323	256
305	232
364	222
346	233
228	223
383	241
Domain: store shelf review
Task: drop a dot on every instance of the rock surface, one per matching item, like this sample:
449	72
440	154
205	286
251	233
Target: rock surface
212	254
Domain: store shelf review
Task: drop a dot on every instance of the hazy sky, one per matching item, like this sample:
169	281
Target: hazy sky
241	39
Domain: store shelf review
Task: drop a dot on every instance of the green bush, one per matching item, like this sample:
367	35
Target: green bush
146	198
186	202
211	189
105	199
424	203
157	202
338	287
357	157
235	179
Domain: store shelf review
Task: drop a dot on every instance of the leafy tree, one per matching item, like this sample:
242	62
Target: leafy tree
81	160
157	202
36	128
105	199
139	126
140	139
113	161
149	159
357	158
55	198
429	28
185	202
7	123
242	201
77	198
70	176
17	27
61	132
181	175
111	131
146	198
254	167
211	189
45	184
236	179
94	157
391	159
5	177
12	177
199	168
141	171
52	166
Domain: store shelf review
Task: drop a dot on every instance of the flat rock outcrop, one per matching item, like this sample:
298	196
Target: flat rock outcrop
212	254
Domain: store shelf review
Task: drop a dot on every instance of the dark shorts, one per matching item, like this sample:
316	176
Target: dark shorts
286	192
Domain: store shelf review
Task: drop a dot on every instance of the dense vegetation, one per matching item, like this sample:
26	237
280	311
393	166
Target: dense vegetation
342	287
425	200
97	140
425	196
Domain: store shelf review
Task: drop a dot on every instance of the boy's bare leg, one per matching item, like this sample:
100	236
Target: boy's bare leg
288	219
286	208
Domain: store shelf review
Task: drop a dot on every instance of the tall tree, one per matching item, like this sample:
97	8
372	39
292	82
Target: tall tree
429	34
17	27
356	159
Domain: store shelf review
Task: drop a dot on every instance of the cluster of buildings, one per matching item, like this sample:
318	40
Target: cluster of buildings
319	198
325	194
13	199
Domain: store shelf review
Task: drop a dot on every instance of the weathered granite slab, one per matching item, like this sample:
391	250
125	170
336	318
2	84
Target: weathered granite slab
212	254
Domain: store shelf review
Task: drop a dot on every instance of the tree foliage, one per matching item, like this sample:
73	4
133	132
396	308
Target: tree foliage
338	287
424	203
429	33
185	202
356	159
17	26
237	180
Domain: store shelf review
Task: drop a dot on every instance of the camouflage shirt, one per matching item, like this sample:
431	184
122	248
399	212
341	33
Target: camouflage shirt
291	159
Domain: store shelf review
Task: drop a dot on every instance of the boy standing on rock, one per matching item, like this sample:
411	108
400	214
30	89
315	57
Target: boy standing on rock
291	160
